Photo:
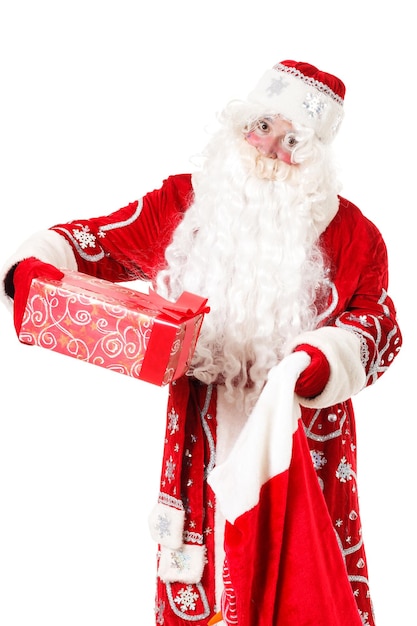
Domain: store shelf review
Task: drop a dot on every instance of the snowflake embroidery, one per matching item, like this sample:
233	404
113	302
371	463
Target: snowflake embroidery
360	319
318	458
180	560
186	598
163	526
173	422
170	469
84	237
344	471
159	612
314	105
364	618
276	86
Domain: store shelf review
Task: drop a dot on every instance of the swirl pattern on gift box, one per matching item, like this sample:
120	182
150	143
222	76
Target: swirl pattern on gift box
88	329
111	326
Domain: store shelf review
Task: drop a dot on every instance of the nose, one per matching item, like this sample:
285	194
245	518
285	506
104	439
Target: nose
269	146
269	139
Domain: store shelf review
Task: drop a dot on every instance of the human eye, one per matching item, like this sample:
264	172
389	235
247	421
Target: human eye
290	141
263	126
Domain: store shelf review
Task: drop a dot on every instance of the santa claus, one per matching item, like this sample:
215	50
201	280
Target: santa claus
257	519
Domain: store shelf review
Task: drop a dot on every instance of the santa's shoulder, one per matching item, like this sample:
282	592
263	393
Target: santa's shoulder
350	216
350	226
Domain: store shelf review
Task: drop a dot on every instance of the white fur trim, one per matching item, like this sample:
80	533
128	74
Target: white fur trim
219	553
47	246
347	374
185	565
299	99
167	525
230	421
264	447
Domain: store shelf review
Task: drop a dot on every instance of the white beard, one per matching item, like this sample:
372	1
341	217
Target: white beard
247	243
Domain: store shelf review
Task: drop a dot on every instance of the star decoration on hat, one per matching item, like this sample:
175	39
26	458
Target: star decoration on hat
314	105
276	86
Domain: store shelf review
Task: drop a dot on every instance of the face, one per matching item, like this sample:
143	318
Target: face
273	137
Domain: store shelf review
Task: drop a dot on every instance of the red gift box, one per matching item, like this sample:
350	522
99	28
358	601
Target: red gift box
107	324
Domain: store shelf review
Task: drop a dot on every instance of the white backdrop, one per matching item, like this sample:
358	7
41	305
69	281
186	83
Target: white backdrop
99	102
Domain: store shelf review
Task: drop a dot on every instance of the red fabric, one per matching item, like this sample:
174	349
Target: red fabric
24	273
188	453
130	243
315	377
313	72
284	561
132	240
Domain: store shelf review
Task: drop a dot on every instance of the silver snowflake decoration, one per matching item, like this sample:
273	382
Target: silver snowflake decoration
360	319
170	469
276	86
315	105
84	237
163	526
344	471
180	560
173	422
186	598
159	612
318	459
364	618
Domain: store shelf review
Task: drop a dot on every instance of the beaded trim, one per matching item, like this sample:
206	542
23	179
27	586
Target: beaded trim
309	81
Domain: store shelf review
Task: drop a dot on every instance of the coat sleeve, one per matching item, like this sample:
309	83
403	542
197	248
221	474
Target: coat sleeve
130	243
126	245
361	336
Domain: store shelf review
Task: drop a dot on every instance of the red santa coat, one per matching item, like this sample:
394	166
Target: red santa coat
360	337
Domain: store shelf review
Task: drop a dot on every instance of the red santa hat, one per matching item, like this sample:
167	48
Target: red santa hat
302	94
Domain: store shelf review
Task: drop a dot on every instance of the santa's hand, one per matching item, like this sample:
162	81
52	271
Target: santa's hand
24	273
315	377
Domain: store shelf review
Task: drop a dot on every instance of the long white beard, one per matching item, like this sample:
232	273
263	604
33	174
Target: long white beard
248	244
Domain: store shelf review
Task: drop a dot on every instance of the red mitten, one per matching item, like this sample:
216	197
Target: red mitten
315	377
25	272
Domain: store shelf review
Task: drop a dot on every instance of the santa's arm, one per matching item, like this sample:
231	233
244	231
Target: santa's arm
48	247
128	244
361	342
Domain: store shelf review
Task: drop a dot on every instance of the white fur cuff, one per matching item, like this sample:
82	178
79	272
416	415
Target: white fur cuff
185	565
167	525
47	246
347	374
